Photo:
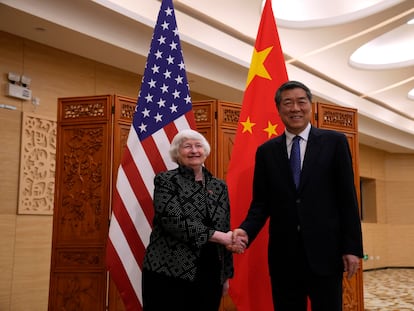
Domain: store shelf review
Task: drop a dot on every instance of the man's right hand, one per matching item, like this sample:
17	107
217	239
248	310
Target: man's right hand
239	241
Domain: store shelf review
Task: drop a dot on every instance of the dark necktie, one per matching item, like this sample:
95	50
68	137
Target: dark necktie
295	163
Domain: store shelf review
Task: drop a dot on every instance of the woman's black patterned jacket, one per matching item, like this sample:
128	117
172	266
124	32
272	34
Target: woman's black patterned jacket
182	225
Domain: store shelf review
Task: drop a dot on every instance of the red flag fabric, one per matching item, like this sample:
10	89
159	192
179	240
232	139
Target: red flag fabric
259	121
163	108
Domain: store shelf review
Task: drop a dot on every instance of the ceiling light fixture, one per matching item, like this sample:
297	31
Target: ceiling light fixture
322	13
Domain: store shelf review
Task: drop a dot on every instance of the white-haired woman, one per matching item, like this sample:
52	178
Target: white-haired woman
186	264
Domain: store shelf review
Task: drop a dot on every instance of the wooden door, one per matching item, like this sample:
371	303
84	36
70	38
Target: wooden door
345	120
78	274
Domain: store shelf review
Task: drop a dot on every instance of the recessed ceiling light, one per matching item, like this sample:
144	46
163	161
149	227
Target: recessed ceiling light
321	13
394	49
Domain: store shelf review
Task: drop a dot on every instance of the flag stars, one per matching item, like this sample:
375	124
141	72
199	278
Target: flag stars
173	108
168	11
248	126
152	83
161	40
270	129
188	99
164	88
155	69
161	103
158	117
173	45
164	93
176	94
170	60
149	98
158	54
146	113
165	25
167	74
142	127
257	67
179	79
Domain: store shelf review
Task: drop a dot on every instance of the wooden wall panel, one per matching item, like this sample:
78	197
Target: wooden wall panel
346	120
205	118
82	201
227	118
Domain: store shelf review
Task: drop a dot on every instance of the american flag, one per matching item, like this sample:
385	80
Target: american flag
163	108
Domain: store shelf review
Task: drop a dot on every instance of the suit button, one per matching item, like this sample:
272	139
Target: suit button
298	227
298	201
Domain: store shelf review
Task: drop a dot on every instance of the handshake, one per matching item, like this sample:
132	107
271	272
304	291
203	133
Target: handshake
239	241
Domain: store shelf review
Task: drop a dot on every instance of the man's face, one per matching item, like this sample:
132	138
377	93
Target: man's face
295	110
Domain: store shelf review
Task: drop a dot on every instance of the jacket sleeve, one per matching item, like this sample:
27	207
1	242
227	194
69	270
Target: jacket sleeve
258	211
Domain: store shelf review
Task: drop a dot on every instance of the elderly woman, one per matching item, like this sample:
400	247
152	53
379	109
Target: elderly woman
187	265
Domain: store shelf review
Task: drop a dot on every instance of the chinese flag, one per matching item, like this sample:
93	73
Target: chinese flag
259	121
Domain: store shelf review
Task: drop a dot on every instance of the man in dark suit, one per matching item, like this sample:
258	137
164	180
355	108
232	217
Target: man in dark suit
314	229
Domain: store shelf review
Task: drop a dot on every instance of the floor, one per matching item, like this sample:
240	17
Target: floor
389	290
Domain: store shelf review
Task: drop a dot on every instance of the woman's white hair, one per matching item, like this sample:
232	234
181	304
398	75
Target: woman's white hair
183	136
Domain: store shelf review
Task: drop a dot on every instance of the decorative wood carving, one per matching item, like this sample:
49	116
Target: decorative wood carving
78	276
84	110
202	114
231	115
81	211
349	295
37	165
79	292
342	119
339	119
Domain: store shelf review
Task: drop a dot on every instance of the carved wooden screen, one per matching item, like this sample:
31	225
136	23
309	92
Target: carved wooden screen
346	120
227	119
81	208
204	114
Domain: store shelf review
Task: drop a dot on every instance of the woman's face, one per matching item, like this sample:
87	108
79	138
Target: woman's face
191	153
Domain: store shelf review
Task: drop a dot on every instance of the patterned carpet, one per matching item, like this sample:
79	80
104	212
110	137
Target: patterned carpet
389	290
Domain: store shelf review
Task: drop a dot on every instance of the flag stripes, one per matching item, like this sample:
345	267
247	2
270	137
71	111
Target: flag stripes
163	109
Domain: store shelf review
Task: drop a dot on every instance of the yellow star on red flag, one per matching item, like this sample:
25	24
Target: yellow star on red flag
270	129
248	126
257	67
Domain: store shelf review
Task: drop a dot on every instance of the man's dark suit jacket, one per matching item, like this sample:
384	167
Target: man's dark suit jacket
324	209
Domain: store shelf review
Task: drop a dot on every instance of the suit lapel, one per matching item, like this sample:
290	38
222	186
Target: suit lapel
281	158
312	151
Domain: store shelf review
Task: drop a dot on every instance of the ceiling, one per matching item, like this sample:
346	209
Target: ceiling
317	37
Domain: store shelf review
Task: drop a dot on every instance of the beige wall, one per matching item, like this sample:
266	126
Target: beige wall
25	240
389	241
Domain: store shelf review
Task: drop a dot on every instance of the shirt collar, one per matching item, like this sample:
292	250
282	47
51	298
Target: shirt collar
304	134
